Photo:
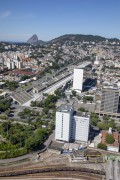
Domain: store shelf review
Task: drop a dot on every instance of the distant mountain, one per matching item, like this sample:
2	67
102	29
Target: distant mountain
80	38
71	37
34	40
41	42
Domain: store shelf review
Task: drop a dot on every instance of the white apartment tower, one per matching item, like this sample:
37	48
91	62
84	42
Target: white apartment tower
81	73
81	125
63	123
78	79
71	127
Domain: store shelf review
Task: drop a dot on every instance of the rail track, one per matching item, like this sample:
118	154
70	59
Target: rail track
59	175
54	171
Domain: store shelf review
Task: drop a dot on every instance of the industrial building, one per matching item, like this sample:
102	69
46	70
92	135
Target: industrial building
70	126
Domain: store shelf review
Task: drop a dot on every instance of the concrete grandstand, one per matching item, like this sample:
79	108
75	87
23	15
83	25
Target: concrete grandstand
21	97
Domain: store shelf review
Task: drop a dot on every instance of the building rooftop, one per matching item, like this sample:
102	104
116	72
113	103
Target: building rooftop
65	108
83	65
82	114
110	88
115	135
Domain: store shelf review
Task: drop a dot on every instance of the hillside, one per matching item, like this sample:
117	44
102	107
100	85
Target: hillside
80	38
71	37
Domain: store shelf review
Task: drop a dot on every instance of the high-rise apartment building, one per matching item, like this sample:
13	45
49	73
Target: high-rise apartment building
70	127
81	73
63	123
78	79
109	100
81	124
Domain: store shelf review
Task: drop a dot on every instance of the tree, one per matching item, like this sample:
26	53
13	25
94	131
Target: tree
6	126
7	112
110	139
102	146
74	93
105	118
112	123
14	139
4	104
78	97
21	114
12	85
23	78
103	126
35	141
82	109
94	119
87	98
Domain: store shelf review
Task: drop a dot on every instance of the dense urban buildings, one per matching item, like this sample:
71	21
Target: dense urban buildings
66	80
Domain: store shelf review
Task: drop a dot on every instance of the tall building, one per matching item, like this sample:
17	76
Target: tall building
81	73
81	124
78	79
63	123
109	100
70	127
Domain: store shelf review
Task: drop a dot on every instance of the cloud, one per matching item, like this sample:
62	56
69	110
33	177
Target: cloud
5	14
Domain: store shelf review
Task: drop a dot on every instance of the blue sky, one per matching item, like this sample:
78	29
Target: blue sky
19	19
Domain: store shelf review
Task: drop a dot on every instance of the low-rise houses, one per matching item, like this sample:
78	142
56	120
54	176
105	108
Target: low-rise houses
113	146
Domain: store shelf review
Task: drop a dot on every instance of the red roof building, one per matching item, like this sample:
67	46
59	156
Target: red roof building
116	144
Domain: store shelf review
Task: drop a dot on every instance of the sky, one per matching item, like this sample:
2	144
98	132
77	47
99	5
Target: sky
20	19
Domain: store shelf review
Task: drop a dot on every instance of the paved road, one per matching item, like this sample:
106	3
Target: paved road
29	156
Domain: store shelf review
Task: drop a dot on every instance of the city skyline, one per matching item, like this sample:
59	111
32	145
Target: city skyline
49	19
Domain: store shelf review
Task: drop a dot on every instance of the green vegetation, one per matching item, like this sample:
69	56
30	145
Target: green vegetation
74	93
82	109
106	124
102	146
28	114
19	139
94	119
79	38
23	78
5	104
59	93
49	102
110	139
106	118
87	98
11	85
